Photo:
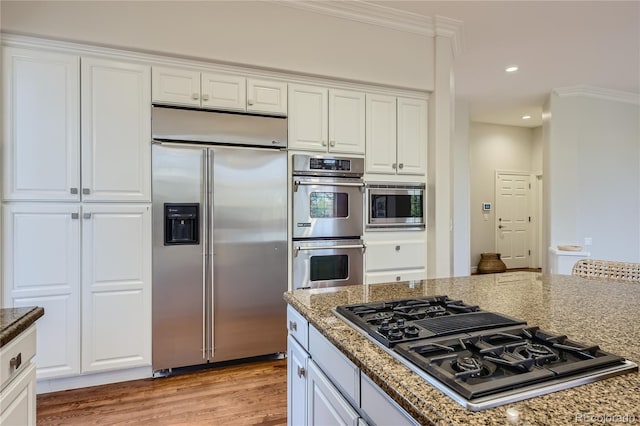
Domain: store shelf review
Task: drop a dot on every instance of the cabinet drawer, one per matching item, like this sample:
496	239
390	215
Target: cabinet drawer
385	256
16	355
342	372
298	327
395	276
380	409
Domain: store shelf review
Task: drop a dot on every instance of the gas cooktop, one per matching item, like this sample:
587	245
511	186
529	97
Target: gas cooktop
480	359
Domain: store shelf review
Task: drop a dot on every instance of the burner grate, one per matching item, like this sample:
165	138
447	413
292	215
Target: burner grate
445	325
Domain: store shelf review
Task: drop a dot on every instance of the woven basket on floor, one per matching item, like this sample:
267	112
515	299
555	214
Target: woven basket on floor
607	270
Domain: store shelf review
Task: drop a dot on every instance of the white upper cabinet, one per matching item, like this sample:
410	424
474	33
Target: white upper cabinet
266	96
396	135
381	134
412	136
174	86
41	120
116	131
223	91
326	120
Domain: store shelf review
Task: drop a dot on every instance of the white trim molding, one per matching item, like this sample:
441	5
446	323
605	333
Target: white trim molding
368	13
600	93
452	28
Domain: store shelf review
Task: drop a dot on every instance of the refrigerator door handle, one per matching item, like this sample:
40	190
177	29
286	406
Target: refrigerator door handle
210	246
205	259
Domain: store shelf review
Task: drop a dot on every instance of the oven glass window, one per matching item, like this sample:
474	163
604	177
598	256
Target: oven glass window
328	204
334	267
399	206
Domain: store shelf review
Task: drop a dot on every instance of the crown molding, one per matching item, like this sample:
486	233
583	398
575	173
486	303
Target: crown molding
368	13
452	28
599	93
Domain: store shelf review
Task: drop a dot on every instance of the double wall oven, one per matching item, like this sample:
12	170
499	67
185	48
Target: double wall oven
328	194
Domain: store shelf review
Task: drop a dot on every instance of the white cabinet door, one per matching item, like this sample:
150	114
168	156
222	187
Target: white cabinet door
346	122
223	91
41	120
266	96
116	131
297	361
42	268
308	109
325	405
176	86
18	400
379	408
116	286
381	134
412	136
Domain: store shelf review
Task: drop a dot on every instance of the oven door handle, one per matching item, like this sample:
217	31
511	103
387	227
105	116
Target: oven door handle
298	249
297	183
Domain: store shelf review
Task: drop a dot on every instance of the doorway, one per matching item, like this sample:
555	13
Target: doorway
513	218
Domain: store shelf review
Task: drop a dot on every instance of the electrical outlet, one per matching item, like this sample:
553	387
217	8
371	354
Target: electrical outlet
588	241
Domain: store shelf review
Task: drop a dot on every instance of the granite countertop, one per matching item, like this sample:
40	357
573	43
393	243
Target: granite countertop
14	321
588	311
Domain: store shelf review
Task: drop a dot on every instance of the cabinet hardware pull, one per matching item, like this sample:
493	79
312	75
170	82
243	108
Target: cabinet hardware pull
250	102
398	278
75	215
397	248
86	191
205	97
401	165
302	372
393	166
332	143
86	215
324	143
293	326
73	190
195	96
16	361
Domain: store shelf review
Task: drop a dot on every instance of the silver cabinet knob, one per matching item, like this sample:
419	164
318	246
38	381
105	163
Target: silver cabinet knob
393	166
195	96
205	97
398	278
302	372
75	215
293	326
250	102
397	248
401	165
86	215
73	190
86	191
332	143
324	143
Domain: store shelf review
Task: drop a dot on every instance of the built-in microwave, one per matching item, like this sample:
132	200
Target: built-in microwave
395	205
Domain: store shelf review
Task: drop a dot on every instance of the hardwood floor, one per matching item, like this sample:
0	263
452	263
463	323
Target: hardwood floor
241	394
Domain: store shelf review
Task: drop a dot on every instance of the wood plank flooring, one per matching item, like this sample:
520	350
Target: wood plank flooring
252	393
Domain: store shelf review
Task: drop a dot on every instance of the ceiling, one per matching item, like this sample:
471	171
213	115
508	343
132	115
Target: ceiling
555	44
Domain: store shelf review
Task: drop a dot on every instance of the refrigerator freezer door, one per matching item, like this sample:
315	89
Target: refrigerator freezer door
178	269
249	199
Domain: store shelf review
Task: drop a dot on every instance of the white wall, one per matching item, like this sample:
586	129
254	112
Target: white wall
594	175
492	148
262	34
461	192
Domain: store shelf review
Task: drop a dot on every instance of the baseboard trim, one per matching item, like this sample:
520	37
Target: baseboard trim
86	380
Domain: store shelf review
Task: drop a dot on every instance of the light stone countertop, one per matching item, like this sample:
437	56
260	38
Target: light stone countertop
587	311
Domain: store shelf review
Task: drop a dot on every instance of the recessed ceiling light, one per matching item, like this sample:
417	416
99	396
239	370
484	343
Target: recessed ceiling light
526	117
511	68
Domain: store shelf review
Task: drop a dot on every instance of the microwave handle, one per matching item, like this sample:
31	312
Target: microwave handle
350	246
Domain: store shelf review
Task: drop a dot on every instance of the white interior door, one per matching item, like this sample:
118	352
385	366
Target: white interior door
513	219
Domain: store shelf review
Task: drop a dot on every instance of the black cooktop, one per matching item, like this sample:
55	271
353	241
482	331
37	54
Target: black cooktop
481	359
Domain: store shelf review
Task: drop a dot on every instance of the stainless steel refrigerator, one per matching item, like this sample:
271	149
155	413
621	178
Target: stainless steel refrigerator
219	237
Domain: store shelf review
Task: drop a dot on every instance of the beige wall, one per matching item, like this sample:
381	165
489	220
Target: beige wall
263	34
492	147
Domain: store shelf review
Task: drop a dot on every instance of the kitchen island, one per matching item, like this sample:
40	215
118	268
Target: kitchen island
589	311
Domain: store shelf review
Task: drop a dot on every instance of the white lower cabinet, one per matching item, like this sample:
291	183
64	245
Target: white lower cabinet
326	406
401	259
89	267
325	388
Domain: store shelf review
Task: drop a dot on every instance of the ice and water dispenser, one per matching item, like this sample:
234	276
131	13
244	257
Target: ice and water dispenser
181	224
